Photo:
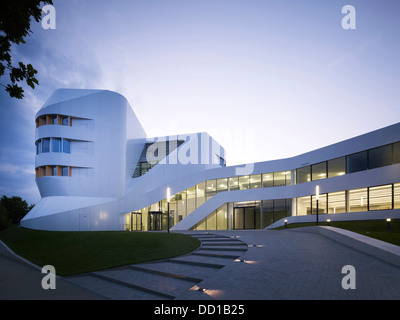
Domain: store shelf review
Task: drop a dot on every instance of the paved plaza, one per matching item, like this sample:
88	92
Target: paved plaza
230	265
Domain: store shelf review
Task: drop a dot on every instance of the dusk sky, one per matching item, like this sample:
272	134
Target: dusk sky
267	79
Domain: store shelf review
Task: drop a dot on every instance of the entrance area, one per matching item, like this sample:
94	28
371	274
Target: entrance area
136	221
158	221
244	217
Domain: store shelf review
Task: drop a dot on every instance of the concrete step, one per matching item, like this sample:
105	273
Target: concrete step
153	283
112	290
193	271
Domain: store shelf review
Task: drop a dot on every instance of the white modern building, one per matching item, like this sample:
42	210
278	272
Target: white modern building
97	170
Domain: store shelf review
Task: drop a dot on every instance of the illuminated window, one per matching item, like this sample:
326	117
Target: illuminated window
255	181
303	174
380	198
358	200
337	167
337	202
318	171
268	180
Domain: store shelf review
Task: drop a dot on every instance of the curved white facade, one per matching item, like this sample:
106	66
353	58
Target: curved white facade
97	170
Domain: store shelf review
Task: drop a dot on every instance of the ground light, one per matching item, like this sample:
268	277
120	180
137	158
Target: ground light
388	220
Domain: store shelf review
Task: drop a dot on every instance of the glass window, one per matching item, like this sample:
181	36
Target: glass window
337	167
337	202
380	157
181	204
396	152
211	188
281	209
318	171
255	181
222	184
46	145
222	217
268	180
53	119
322	204
55	144
280	178
358	200
66	146
234	183
54	170
38	146
380	198
304	206
243	182
356	162
303	174
65	171
200	194
211	223
396	196
268	212
191	199
65	121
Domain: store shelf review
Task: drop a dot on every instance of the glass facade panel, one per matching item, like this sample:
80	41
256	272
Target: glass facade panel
200	194
280	178
280	209
337	202
357	162
65	171
304	206
268	180
211	223
318	171
181	205
380	198
243	182
358	200
396	196
268	212
303	174
55	145
191	199
234	183
322	204
66	146
337	167
380	157
46	145
65	121
396	152
222	184
211	188
54	170
54	119
255	181
222	217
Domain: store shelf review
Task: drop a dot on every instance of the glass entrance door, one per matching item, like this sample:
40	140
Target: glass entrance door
155	220
244	217
136	221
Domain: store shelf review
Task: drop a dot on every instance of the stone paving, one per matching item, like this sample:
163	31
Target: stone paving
231	265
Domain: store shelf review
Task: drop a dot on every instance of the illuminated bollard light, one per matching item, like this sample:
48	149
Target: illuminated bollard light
388	224
328	221
285	223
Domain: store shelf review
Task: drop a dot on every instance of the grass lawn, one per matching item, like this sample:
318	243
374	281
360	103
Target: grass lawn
373	228
79	252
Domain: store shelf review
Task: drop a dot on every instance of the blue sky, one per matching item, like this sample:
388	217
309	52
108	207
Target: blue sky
267	79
